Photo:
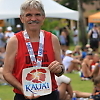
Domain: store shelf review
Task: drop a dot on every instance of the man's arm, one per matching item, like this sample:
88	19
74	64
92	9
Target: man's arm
56	66
11	51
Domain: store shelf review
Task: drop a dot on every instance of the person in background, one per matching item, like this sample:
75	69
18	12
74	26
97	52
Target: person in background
66	91
2	55
2	40
89	49
62	54
70	63
20	56
56	31
96	88
95	66
86	66
64	87
84	52
9	33
75	36
62	39
18	28
93	36
77	52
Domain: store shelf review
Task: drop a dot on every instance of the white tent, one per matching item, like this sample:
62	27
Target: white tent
11	9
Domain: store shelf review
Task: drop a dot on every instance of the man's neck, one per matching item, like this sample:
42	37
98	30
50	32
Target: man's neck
34	35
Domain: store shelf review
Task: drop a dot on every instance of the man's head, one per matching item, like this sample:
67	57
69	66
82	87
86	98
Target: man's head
96	57
9	28
32	14
90	55
68	52
30	4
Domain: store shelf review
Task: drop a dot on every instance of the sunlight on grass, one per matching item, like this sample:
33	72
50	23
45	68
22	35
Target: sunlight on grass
78	84
6	93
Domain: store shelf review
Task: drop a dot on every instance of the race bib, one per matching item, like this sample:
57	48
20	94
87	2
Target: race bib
37	81
94	35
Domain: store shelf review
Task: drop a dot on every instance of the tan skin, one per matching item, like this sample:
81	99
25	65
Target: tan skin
12	47
86	65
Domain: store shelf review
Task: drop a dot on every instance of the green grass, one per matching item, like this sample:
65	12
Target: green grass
78	84
84	86
6	93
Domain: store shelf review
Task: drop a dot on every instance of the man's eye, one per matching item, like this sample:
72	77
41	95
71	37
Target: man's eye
38	15
28	15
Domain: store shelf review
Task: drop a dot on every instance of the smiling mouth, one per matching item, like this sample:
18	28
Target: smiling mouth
32	22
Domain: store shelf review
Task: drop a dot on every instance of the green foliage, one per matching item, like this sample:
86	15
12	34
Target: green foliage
50	24
72	4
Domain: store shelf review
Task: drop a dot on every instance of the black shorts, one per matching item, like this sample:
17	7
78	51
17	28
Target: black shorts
94	43
53	96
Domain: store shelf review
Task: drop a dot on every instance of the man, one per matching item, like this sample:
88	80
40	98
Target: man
9	33
94	36
22	51
70	63
2	42
95	66
86	64
18	28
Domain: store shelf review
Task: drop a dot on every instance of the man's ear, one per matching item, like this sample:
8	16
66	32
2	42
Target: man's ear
21	18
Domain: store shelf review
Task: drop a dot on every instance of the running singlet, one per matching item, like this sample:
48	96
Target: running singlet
23	59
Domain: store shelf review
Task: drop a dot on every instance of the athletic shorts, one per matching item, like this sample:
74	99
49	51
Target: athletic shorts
53	96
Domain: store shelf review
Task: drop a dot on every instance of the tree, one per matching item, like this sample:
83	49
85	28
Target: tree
72	4
82	28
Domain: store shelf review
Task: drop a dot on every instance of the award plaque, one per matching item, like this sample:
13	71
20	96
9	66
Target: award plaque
37	81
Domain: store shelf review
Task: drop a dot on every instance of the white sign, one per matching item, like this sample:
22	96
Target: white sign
37	81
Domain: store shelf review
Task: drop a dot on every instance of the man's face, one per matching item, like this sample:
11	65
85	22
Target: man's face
32	19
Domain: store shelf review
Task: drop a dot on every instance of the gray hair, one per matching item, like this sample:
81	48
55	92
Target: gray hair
30	4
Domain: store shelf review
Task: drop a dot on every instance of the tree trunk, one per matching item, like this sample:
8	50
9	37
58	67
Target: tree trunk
82	27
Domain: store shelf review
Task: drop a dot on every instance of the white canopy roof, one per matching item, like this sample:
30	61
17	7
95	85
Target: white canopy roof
11	9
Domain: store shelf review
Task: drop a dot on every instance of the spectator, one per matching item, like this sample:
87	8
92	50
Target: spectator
84	52
2	55
89	49
66	91
95	69
93	36
64	87
70	63
9	33
2	40
96	90
62	39
18	28
77	53
86	63
2	80
75	36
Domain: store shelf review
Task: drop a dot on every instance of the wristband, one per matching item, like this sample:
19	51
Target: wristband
62	70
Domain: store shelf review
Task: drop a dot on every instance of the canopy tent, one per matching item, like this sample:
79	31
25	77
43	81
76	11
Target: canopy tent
95	18
11	9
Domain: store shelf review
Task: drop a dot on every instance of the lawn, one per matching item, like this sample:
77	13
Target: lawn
78	84
85	86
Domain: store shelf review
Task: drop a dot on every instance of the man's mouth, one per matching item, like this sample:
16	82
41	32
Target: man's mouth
32	22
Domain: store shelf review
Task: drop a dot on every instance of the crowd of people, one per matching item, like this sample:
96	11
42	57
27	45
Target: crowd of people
34	47
5	35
